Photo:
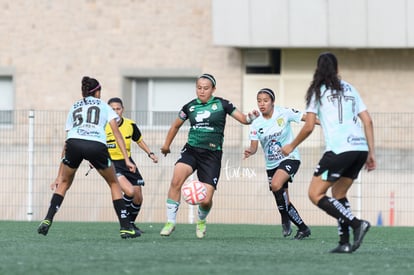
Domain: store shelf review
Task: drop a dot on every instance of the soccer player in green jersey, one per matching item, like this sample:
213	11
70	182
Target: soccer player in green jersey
203	150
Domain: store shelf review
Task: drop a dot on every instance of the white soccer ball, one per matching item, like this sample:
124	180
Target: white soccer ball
194	192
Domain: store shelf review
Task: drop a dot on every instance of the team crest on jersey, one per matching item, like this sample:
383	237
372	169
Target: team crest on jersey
280	122
214	107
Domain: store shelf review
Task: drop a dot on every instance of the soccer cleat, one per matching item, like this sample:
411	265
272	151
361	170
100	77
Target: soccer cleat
286	229
359	234
301	234
201	229
137	228
342	248
127	233
167	229
44	227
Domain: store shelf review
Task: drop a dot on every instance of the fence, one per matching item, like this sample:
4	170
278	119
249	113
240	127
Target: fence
31	149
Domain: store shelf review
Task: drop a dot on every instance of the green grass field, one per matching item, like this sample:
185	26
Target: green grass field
96	248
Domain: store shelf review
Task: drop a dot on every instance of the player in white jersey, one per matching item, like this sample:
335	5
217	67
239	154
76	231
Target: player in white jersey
272	128
340	110
86	139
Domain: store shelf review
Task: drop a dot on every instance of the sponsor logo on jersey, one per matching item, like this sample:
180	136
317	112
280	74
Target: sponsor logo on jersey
202	115
356	140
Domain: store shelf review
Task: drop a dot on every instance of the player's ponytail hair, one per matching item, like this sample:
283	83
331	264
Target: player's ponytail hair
90	86
326	73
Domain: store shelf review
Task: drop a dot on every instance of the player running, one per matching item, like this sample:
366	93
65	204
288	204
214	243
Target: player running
349	146
273	130
203	150
86	139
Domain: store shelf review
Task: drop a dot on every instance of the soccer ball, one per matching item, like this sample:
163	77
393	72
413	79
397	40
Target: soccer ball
194	192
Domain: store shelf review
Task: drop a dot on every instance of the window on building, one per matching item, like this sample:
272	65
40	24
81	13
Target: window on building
6	102
156	101
262	61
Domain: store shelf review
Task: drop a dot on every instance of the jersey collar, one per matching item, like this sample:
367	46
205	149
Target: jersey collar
121	121
209	100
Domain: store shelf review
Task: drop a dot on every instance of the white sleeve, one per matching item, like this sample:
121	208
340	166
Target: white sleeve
313	105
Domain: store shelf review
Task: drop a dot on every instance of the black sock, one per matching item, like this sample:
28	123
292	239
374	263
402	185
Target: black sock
343	229
121	212
127	199
134	211
280	197
335	209
55	204
295	217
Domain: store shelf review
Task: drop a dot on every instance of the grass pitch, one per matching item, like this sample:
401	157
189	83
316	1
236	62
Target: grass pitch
96	248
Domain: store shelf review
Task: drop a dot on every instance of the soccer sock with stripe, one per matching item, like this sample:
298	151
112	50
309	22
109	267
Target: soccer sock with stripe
134	211
343	229
335	209
295	217
202	213
281	199
55	204
128	201
172	208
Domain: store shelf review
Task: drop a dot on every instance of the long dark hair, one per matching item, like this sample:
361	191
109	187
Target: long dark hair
326	73
90	86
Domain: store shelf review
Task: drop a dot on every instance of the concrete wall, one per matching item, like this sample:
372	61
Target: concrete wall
47	46
50	45
314	23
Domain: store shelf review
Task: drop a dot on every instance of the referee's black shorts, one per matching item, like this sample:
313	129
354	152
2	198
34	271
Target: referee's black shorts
122	170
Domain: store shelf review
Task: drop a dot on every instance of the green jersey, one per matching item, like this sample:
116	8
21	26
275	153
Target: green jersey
207	121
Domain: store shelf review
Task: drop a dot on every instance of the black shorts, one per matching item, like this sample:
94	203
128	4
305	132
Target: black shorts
93	151
122	170
206	162
291	166
347	164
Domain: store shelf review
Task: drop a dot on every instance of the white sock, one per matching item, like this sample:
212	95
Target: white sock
172	208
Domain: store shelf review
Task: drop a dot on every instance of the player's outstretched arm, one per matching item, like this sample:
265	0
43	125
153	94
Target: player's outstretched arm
172	132
245	119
